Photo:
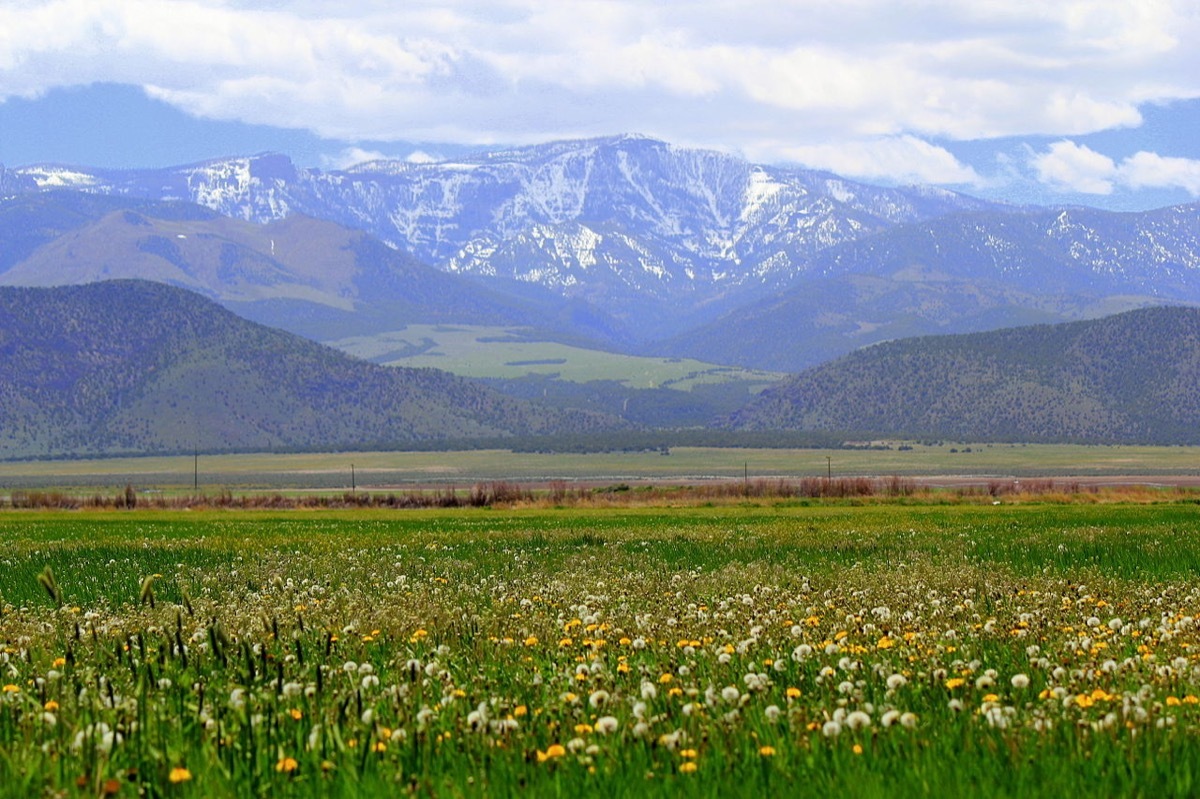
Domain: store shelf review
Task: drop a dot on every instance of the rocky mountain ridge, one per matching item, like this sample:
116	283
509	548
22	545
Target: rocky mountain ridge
673	251
612	220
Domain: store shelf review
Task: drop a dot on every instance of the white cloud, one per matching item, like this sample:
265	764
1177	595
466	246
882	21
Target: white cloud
899	158
1150	170
1071	167
353	156
885	74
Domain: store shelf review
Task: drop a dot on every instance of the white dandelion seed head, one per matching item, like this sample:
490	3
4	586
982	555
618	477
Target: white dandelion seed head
858	720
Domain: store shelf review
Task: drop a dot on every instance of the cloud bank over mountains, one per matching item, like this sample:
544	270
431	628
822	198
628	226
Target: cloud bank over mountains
867	88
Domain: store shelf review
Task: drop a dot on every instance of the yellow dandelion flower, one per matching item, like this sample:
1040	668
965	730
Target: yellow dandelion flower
664	679
379	746
688	754
296	713
531	640
12	689
767	751
857	749
1172	701
520	710
552	751
885	643
286	765
793	692
991	698
688	767
50	706
179	774
955	682
59	662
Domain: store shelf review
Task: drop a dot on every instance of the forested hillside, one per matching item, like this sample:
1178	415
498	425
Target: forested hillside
137	367
1133	377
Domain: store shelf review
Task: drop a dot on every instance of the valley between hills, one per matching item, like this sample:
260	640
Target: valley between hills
606	294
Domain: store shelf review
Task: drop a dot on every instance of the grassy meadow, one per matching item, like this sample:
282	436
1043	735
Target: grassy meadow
1031	649
481	351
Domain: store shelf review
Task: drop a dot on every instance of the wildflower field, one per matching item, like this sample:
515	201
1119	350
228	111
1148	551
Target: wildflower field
987	650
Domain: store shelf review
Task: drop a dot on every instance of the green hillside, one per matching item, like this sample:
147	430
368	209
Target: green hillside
1133	377
652	392
139	367
506	352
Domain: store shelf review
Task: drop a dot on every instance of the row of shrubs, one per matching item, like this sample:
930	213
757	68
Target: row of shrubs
506	493
479	495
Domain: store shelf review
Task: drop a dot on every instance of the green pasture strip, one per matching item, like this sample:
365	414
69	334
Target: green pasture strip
877	650
399	469
480	351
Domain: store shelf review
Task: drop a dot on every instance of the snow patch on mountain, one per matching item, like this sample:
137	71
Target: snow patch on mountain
50	177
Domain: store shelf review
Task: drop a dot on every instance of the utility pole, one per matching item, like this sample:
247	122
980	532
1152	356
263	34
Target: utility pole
352	484
195	470
828	467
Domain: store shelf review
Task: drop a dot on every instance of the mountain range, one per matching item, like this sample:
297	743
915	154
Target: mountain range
1128	378
625	244
639	246
138	367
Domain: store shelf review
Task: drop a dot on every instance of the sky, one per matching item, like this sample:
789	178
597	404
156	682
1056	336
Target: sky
1092	102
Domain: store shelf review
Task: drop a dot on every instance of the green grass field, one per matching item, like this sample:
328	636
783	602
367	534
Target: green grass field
383	469
476	351
1034	650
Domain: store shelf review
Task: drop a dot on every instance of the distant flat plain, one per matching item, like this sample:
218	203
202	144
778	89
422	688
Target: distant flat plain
948	463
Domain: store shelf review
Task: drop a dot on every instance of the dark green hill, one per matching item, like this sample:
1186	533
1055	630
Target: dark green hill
1133	377
139	367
